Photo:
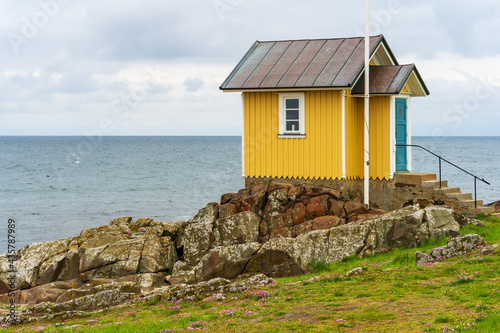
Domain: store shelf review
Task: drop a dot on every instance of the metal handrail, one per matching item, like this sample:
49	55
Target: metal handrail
456	166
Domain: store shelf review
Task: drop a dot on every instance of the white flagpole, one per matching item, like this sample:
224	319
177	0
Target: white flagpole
367	106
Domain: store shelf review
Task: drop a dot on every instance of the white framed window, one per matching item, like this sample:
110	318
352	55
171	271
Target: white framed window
291	115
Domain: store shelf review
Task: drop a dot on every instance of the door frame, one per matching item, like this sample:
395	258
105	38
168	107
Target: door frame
393	132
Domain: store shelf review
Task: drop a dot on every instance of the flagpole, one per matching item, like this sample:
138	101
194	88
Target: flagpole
367	106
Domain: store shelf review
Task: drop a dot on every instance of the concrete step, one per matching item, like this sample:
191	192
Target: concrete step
459	196
455	190
470	203
434	183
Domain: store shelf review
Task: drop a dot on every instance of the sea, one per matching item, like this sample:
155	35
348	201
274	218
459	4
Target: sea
53	187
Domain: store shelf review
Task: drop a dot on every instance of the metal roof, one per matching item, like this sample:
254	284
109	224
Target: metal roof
317	63
388	79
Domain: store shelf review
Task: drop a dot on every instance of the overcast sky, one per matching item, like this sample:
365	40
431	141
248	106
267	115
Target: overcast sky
150	67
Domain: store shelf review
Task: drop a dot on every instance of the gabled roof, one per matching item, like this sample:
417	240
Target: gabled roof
317	63
391	80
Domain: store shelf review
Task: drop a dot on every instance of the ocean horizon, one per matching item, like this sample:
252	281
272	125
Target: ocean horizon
55	186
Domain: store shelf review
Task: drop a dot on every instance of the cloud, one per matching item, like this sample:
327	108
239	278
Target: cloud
68	74
193	84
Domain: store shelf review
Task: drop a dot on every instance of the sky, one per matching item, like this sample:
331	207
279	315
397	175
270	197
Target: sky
149	67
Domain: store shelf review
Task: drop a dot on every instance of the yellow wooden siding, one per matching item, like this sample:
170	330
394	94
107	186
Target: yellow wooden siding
354	115
380	137
318	156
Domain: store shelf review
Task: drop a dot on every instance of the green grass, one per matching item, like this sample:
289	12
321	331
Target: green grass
391	295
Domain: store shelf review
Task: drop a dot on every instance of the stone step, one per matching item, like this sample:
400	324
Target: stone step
434	183
495	214
484	209
459	196
455	190
470	203
413	179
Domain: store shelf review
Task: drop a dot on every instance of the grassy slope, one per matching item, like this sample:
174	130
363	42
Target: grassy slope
393	295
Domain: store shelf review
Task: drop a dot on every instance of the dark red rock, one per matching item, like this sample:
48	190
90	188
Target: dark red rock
336	208
332	193
355	207
325	222
227	210
318	206
225	198
298	213
285	232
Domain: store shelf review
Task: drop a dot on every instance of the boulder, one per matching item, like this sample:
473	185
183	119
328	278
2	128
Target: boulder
317	206
354	272
217	286
237	229
325	222
227	210
225	261
458	246
423	258
197	240
99	297
276	258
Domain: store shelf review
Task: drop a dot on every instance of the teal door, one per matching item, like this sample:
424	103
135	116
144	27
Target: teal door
401	152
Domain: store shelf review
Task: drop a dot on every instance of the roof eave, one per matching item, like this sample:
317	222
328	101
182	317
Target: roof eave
238	66
362	69
283	89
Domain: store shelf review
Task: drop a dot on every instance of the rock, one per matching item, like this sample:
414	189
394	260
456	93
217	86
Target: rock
252	199
441	218
495	248
225	198
197	239
182	277
276	258
317	206
119	220
337	208
423	258
297	214
495	205
36	260
227	210
208	214
354	272
225	261
216	286
237	229
325	222
457	246
104	296
355	207
370	244
346	240
275	200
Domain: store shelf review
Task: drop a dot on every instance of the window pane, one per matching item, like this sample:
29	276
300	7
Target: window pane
292	103
292	114
292	125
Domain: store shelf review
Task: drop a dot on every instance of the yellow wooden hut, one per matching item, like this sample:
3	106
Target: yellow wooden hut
303	115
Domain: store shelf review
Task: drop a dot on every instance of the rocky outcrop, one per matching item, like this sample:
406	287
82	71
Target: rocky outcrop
455	247
273	228
122	248
287	227
495	205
